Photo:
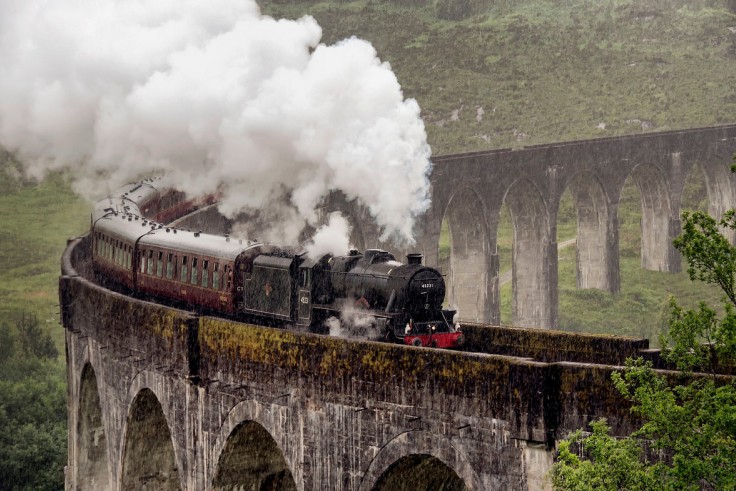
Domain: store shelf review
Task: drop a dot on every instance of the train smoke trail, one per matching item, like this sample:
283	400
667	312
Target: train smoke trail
216	96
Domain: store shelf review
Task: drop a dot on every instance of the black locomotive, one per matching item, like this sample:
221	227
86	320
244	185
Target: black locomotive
267	283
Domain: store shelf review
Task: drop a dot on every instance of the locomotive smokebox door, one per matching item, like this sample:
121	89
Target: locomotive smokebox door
304	296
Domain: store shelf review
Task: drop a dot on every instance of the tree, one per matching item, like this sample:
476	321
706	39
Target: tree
33	340
688	437
7	343
32	409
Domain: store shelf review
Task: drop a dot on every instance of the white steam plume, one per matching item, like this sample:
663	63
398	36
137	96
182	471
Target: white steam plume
331	238
215	96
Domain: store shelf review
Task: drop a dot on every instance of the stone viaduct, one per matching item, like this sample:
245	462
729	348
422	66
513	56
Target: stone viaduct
161	398
468	190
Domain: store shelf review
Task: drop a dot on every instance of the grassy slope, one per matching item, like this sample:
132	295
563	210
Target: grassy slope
528	72
35	220
546	71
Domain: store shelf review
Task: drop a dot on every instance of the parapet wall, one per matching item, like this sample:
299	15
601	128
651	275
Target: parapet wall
552	346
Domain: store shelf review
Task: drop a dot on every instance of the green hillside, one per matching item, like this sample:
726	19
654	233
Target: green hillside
515	73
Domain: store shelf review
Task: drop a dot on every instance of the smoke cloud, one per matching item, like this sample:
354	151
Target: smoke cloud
217	98
331	238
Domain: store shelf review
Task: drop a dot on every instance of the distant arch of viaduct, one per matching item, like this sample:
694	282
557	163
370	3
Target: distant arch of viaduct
468	190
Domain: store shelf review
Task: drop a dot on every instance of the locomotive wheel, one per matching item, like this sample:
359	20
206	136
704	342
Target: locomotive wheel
417	342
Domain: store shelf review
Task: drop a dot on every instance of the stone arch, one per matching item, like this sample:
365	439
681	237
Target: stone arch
93	471
721	193
395	459
596	237
247	424
469	261
419	471
251	459
532	260
149	460
658	224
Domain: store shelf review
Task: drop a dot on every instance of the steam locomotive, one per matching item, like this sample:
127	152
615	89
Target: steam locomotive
135	251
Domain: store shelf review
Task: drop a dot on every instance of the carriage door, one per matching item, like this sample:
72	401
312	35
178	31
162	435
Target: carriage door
305	300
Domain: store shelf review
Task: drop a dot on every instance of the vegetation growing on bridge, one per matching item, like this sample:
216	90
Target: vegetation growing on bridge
688	439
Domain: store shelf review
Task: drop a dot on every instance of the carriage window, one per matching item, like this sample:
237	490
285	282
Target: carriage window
116	252
205	277
194	271
184	269
216	277
169	266
142	261
304	278
150	262
160	265
130	257
229	277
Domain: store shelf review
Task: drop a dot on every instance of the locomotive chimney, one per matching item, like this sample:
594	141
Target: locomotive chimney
414	258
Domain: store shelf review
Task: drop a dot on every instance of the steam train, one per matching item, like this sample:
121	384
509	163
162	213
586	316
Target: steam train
135	251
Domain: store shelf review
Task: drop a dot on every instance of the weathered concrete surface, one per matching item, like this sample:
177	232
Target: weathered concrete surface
469	190
163	399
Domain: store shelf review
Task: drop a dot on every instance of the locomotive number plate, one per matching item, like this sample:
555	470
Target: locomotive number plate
427	285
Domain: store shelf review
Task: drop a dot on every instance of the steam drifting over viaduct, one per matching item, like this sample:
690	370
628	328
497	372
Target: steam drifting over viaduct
160	398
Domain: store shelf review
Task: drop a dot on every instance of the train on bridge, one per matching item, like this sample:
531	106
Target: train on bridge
372	292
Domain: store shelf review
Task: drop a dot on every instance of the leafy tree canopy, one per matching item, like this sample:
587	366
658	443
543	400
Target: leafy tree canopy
688	438
32	409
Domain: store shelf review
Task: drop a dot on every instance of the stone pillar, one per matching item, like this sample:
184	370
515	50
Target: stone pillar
537	464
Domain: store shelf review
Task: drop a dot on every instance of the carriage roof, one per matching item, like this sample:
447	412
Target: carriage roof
198	243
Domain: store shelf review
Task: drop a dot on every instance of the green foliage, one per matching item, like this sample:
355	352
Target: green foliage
613	464
688	437
710	255
35	220
33	340
32	410
7	343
